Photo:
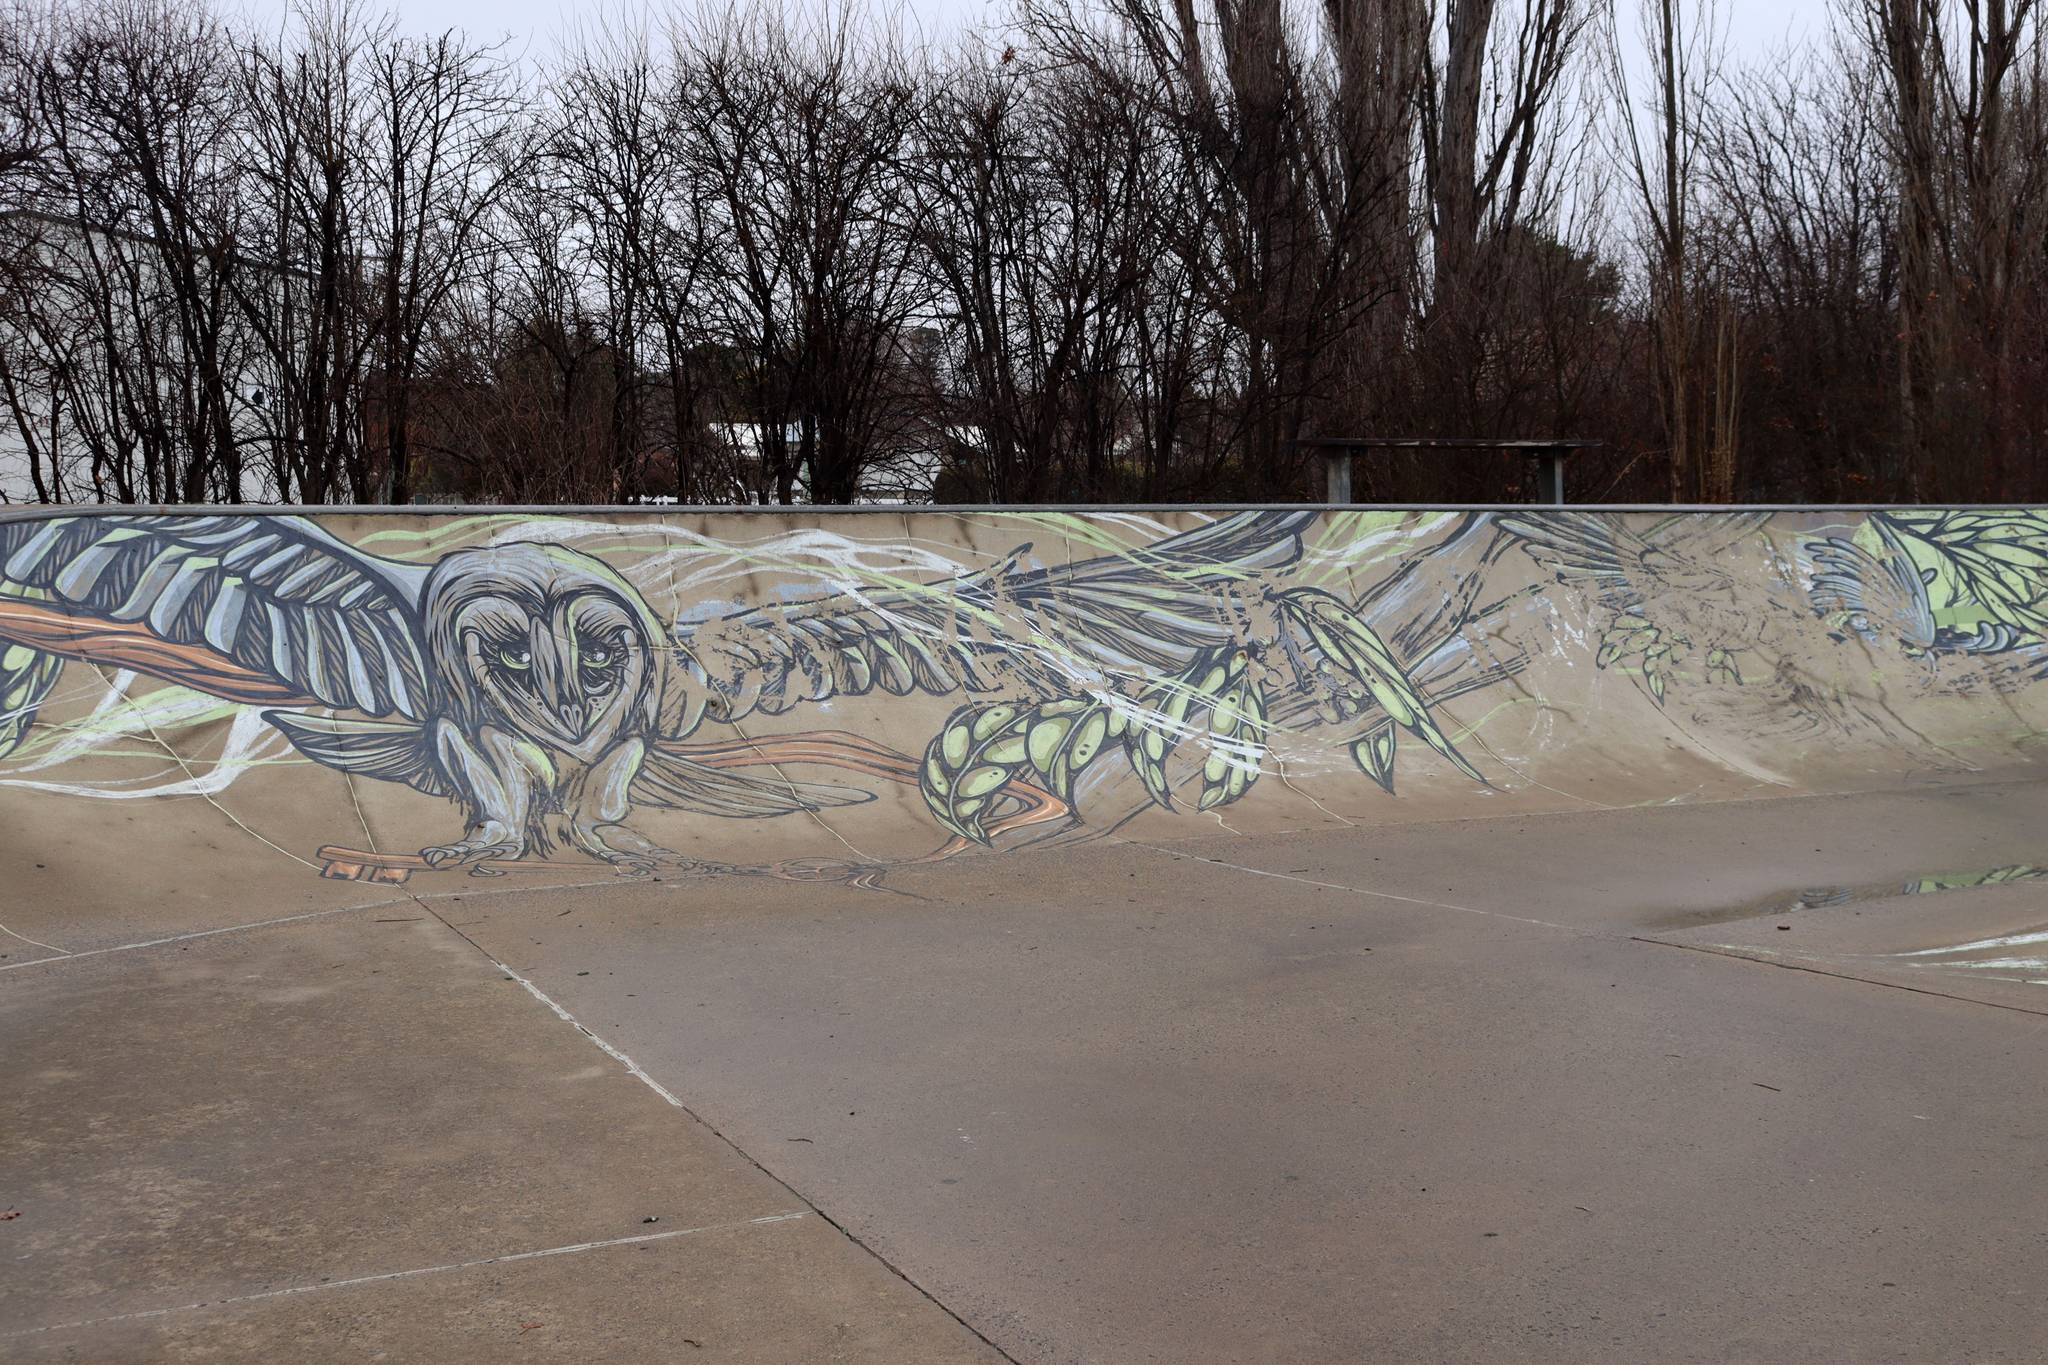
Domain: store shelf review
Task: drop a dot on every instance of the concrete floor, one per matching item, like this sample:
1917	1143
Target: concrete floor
1546	1088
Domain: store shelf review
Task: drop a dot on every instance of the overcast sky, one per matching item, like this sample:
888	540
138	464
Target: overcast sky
536	27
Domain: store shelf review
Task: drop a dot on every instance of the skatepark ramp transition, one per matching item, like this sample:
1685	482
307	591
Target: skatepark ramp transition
204	700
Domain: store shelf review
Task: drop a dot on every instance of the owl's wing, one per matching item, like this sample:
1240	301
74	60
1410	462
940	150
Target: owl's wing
1605	553
1853	587
1583	548
1045	631
260	610
1691	535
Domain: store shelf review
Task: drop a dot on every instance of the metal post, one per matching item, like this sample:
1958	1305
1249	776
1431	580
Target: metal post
1337	477
1550	478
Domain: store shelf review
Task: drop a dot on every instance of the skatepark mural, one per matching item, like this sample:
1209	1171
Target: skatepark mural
543	689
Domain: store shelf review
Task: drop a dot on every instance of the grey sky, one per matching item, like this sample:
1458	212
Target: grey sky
536	27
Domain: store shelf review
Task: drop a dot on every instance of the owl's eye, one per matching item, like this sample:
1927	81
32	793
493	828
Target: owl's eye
597	655
515	656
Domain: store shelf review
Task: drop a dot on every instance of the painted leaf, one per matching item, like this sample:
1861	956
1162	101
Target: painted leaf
967	763
1375	754
1627	637
1155	730
1358	651
985	747
1237	739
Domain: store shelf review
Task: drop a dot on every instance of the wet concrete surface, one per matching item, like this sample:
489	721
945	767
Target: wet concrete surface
1987	943
1494	1090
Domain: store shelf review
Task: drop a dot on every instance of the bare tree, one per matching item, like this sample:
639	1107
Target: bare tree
1127	249
308	169
1658	135
612	157
800	134
444	128
1800	222
1037	208
1498	148
1302	155
126	220
1962	89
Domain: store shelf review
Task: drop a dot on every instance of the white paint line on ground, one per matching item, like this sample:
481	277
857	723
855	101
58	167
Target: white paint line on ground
181	938
34	942
633	1068
1983	944
1580	930
1765	957
413	1273
408	899
1935	791
669	1097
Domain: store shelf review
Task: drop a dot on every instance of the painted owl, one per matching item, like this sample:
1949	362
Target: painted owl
535	687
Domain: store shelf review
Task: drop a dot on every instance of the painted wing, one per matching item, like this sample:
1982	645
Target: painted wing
1041	632
1692	536
26	677
1855	588
259	610
1605	554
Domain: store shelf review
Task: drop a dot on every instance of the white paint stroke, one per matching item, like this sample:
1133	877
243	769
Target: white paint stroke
50	947
1982	944
568	1250
250	741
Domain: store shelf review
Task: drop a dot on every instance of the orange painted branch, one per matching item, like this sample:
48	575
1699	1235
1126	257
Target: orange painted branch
125	644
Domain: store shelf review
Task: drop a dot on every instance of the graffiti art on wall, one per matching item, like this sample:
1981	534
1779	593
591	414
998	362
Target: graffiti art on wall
549	677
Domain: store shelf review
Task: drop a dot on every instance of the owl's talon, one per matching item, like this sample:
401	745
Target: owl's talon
471	851
633	854
661	860
698	867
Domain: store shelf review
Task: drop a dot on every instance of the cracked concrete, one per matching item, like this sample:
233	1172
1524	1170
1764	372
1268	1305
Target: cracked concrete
353	1137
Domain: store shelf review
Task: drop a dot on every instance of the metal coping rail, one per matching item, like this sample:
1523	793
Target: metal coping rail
36	511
